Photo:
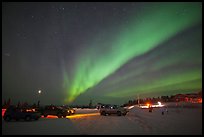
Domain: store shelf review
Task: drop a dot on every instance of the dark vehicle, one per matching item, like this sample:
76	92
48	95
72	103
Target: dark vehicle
73	111
112	109
16	113
69	109
54	110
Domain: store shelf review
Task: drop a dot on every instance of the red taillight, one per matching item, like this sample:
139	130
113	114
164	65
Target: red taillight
2	112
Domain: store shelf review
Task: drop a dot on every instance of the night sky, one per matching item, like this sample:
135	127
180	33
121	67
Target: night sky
105	52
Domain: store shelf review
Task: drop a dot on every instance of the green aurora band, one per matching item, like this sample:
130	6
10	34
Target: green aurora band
109	51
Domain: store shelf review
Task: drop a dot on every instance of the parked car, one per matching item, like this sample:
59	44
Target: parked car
112	109
73	111
54	110
16	113
69	109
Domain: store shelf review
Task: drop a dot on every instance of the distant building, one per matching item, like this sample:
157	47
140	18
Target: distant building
191	97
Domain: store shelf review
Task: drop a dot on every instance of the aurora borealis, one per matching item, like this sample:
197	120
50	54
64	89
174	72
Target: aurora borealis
110	55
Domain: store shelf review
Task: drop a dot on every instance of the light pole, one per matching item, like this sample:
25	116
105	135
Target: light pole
39	93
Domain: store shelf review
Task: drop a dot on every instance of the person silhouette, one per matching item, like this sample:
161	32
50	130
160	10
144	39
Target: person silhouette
166	110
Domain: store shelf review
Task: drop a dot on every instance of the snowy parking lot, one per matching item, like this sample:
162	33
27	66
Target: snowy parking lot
178	121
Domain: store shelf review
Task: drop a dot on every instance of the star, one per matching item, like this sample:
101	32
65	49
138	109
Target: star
94	8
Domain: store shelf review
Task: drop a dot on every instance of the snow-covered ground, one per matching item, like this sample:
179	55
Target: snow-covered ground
178	121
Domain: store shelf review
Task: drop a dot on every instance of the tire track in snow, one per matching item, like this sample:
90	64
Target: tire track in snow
142	122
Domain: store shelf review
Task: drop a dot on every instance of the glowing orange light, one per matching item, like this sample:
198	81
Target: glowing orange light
49	116
82	115
200	100
148	105
30	110
74	116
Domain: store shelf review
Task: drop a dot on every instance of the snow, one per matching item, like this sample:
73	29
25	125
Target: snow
178	121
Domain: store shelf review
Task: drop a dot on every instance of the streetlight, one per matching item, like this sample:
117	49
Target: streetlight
138	100
39	92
